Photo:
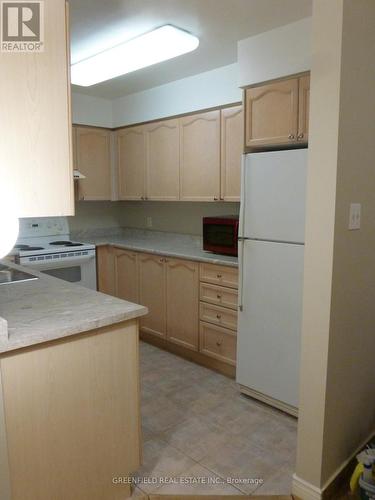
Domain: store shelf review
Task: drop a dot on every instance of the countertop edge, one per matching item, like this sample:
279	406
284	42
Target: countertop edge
176	255
7	346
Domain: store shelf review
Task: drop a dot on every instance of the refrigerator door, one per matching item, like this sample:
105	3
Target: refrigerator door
268	344
273	196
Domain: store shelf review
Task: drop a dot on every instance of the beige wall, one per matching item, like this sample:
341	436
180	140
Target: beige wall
179	217
338	342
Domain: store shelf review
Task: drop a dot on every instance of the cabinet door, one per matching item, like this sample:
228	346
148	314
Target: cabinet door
131	152
232	146
152	293
126	269
35	128
303	108
183	303
200	157
93	157
105	261
163	160
272	114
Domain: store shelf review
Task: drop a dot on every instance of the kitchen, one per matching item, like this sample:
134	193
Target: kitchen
145	177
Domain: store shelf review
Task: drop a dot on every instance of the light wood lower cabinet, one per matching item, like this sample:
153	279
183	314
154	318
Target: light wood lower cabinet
126	275
219	275
217	342
189	308
219	295
105	263
182	302
152	293
222	316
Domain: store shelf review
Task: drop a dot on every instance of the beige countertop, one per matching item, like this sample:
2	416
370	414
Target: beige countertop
161	243
49	308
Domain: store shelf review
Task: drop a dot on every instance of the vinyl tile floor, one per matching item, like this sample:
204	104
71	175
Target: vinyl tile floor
200	436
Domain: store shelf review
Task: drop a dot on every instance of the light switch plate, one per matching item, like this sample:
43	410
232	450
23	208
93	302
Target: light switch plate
355	216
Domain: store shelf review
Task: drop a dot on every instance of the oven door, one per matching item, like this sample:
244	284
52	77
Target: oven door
80	270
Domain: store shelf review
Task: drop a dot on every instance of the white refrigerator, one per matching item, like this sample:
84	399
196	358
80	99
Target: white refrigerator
271	251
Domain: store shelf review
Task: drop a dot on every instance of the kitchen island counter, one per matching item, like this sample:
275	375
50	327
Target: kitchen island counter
69	392
49	308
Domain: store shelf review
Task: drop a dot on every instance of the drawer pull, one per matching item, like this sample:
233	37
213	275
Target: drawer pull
219	276
218	316
218	343
218	296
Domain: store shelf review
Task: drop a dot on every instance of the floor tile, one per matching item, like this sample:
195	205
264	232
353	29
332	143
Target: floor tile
248	465
194	437
198	481
160	460
191	414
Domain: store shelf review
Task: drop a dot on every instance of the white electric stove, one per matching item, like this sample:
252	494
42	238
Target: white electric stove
44	244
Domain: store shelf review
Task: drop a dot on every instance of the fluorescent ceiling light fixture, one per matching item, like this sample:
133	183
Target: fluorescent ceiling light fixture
154	47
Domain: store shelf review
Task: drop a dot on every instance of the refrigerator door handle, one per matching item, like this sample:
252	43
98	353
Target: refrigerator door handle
241	243
243	200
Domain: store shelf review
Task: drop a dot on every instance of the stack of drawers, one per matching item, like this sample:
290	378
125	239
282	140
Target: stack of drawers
218	312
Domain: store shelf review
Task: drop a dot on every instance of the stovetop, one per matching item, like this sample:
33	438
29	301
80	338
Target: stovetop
47	247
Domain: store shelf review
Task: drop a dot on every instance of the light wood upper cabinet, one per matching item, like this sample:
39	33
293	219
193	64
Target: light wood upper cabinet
126	268
152	293
232	132
35	127
106	274
272	113
182	302
131	151
200	157
304	106
163	162
93	159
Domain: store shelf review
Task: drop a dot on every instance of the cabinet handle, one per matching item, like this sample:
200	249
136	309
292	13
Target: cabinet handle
221	198
219	276
218	316
299	137
291	136
216	198
218	296
219	343
142	198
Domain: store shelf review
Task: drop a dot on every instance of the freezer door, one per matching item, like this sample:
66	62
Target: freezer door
269	329
273	196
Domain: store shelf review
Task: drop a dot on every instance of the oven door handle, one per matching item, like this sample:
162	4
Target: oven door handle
58	264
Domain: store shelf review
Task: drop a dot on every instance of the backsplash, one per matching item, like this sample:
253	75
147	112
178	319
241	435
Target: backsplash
175	217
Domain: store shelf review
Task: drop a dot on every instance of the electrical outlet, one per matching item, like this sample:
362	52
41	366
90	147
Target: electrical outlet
355	216
149	221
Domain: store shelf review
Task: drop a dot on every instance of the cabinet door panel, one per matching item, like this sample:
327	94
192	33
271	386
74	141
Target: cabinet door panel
35	128
152	293
304	105
163	161
131	150
105	261
126	275
200	157
272	114
232	146
183	303
93	159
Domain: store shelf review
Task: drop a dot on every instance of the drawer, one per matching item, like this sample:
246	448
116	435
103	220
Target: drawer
218	315
218	343
219	295
219	275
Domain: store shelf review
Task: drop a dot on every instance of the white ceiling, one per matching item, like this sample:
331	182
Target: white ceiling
100	24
